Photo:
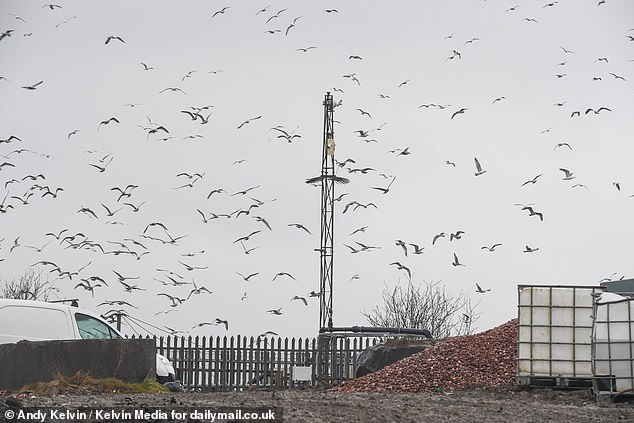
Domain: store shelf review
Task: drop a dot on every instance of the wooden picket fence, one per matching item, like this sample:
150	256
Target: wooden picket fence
237	363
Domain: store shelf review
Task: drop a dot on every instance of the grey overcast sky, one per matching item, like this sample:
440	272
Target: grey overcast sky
518	69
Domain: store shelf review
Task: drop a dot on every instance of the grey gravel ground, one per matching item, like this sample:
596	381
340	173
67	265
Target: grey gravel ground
499	405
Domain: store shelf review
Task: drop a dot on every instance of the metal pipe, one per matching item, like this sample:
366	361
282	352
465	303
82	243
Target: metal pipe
375	329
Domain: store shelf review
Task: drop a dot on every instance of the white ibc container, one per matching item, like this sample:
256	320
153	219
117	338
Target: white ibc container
555	333
612	346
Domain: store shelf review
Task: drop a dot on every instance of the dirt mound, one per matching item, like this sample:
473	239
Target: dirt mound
486	359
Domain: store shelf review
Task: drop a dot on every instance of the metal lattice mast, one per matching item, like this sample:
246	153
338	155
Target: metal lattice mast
327	214
327	179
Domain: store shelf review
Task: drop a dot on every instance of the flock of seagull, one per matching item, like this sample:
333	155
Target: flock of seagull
120	203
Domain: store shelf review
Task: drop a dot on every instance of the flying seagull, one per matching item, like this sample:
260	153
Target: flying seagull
528	249
498	99
568	174
455	261
563	144
6	164
491	248
247	250
8	140
248	121
596	112
246	237
190	268
302	299
353	250
440	235
385	190
246	278
299	226
363	112
417	249
479	289
353	76
457	235
261	219
107	121
479	170
245	191
88	287
198	290
222	322
113	37
532	181
284	274
34	86
288	28
109	212
221	11
173	89
361	229
402	267
533	212
459	112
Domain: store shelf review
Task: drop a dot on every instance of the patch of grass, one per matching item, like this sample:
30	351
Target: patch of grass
81	384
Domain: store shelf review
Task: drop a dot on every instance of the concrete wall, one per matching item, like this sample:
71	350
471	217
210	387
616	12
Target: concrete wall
26	362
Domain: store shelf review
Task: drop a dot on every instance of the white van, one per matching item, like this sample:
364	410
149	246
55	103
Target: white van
41	321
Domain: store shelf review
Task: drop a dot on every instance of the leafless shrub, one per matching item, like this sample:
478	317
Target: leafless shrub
29	286
425	306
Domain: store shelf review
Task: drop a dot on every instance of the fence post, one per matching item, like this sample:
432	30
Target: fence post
181	359
232	363
347	356
217	364
278	367
265	364
224	363
203	363
196	358
293	361
209	352
250	374
244	361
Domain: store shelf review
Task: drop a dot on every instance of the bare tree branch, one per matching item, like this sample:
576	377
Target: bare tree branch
425	306
29	286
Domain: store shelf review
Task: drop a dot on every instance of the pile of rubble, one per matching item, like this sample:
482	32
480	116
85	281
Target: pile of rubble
486	359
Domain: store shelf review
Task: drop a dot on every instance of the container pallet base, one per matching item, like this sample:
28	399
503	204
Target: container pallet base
606	397
562	382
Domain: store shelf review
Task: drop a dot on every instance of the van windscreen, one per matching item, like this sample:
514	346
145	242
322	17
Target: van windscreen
91	328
